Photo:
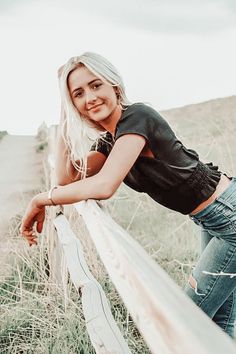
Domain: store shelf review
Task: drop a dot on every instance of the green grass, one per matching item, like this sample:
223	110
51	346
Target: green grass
3	133
41	146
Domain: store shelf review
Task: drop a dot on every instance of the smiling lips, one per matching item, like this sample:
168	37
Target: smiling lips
95	107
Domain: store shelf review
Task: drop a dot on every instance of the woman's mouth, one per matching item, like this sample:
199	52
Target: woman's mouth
95	108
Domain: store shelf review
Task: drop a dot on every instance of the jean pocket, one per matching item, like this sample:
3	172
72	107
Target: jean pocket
222	220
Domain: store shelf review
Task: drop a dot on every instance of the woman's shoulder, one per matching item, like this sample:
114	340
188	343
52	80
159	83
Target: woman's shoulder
138	118
139	107
140	111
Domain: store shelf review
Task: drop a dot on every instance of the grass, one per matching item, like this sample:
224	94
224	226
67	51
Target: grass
41	146
3	133
35	317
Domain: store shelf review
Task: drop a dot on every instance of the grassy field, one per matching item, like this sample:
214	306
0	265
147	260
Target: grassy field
34	318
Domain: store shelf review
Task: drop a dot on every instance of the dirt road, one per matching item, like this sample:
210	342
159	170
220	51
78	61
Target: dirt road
21	173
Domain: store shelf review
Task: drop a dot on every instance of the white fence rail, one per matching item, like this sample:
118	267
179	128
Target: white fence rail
102	329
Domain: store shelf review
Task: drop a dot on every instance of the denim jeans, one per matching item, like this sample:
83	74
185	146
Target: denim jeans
213	286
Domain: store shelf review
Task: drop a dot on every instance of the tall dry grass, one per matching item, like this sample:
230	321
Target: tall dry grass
35	316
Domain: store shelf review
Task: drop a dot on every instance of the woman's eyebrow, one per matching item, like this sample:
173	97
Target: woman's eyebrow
89	83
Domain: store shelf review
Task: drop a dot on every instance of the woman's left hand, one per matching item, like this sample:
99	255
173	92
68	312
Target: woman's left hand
32	221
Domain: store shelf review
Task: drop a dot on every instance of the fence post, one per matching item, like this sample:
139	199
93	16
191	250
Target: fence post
57	264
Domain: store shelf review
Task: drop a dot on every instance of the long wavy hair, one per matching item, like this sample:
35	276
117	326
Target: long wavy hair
78	132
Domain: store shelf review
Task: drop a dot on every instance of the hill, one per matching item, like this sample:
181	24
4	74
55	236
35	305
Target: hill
210	128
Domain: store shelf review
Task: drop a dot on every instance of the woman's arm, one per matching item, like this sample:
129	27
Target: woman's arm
100	186
103	184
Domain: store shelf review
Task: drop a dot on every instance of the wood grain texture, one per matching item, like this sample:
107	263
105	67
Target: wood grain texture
168	320
102	328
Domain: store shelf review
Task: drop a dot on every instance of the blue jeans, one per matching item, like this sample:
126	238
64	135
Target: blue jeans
213	280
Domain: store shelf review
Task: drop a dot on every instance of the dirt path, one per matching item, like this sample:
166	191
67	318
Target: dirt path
21	173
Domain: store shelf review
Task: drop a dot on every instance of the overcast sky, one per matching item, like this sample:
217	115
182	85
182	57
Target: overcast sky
170	53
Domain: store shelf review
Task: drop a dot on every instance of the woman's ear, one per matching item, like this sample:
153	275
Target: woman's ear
117	92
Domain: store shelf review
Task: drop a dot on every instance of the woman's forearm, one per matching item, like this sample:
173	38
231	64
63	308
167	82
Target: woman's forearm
89	188
94	187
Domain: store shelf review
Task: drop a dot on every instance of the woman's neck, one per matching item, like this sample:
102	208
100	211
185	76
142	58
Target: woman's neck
110	123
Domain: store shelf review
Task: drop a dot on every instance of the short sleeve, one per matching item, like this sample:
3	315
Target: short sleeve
103	144
137	119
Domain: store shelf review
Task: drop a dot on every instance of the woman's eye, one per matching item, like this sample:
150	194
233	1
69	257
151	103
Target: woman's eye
95	86
78	94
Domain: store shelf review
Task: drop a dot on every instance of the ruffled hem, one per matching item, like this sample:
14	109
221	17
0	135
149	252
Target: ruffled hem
204	179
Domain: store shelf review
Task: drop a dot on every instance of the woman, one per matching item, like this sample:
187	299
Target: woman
134	144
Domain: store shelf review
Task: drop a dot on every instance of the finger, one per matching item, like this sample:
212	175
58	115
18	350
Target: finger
30	236
28	232
31	243
27	228
39	226
32	239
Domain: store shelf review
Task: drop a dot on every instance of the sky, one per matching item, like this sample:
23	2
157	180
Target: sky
170	53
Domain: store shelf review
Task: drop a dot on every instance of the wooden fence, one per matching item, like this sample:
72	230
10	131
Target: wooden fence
168	320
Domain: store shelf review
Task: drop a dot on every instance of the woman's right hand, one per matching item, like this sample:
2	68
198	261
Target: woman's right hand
33	219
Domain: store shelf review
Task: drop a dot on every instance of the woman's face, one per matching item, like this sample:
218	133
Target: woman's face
94	99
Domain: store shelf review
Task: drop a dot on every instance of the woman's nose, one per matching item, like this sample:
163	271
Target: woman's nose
90	97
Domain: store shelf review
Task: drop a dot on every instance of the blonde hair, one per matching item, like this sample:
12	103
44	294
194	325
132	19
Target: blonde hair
78	132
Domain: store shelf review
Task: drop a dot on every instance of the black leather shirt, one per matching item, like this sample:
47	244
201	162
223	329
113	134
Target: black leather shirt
175	177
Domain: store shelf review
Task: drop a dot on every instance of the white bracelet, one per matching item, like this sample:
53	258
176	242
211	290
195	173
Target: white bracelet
50	194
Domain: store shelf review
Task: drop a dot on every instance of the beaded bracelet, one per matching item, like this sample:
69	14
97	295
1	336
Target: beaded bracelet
50	194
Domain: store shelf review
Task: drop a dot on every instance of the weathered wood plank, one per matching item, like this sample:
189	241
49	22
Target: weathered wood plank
168	320
103	331
58	271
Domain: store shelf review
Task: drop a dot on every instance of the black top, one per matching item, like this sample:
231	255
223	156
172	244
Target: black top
175	177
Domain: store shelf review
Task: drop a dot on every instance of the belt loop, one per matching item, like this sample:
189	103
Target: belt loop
225	202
